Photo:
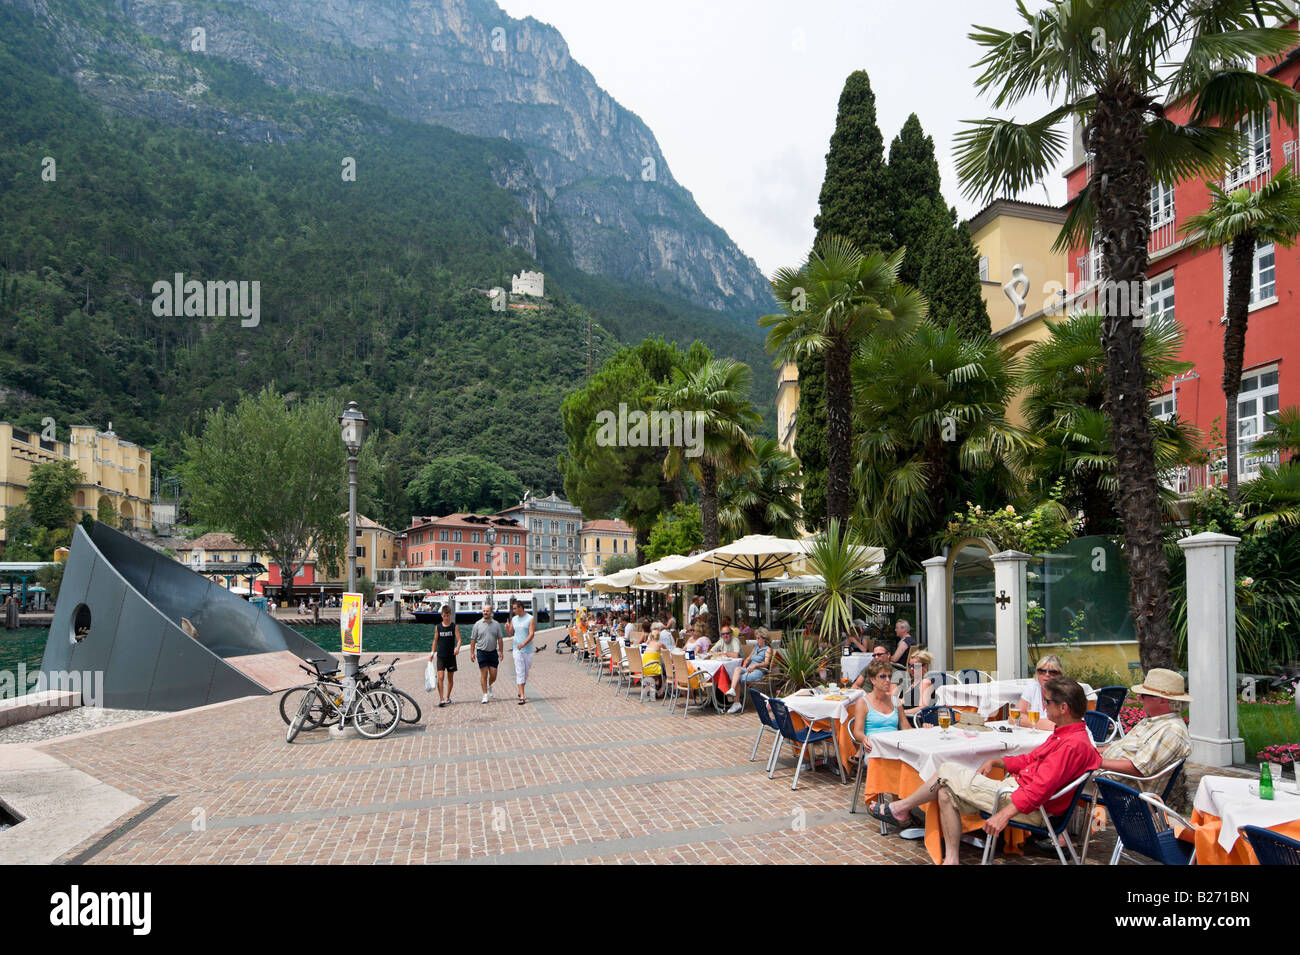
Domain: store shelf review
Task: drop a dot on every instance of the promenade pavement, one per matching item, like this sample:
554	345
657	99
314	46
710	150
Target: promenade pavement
580	774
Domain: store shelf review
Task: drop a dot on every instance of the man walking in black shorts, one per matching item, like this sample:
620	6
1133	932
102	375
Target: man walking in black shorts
446	647
489	642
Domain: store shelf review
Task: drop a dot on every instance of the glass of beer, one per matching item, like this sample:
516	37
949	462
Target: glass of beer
945	720
1014	716
1033	717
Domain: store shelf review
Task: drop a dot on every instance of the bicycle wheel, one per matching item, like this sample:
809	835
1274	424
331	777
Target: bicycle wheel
410	709
301	716
291	699
376	714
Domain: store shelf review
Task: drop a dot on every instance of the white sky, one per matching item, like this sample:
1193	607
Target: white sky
742	94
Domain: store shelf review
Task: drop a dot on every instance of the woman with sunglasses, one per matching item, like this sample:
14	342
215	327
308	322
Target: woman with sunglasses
1049	668
879	711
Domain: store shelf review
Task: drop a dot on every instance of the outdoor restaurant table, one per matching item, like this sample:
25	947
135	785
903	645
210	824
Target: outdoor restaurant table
720	670
818	712
1224	804
987	698
900	760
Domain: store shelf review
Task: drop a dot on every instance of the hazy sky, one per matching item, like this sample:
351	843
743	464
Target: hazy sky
742	94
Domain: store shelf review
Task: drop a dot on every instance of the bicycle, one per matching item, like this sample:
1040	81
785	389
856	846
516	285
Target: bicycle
291	698
375	712
385	681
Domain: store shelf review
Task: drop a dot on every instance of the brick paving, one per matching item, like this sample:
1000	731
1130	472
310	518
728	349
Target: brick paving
580	775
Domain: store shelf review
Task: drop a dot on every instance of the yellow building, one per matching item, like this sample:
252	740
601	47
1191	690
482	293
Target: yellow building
601	540
1014	240
787	406
376	548
113	469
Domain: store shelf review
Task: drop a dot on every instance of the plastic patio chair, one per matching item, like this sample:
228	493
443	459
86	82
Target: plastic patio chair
1110	700
767	724
1130	813
1174	771
1054	829
968	675
1102	728
929	716
801	738
1272	848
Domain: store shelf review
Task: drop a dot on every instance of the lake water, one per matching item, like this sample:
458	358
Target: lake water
26	645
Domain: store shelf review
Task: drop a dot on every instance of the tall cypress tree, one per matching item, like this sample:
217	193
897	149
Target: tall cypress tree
941	259
854	203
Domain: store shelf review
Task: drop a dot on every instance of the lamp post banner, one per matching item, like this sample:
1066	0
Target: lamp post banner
350	623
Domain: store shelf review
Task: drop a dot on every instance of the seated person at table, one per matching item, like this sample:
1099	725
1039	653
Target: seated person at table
879	711
1049	668
920	693
878	652
652	666
751	671
699	640
728	644
1067	754
906	641
856	639
1159	740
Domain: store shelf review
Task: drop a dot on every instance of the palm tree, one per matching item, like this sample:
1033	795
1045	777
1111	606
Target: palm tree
1064	383
931	413
714	392
1241	220
839	298
763	498
1274	496
1116	63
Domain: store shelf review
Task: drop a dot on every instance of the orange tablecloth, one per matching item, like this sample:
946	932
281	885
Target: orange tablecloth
895	776
1209	852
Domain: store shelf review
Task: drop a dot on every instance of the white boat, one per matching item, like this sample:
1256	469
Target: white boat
551	600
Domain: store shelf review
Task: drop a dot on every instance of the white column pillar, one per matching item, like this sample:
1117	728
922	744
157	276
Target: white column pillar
1010	592
938	609
1212	648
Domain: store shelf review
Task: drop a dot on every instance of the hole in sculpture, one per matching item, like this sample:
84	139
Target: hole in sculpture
80	624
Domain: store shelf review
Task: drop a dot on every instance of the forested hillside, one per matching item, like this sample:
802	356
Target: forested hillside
368	287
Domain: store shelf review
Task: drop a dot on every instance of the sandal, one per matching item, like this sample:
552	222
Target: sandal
879	811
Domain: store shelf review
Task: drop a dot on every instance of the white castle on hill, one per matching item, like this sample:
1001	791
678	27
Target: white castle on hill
527	283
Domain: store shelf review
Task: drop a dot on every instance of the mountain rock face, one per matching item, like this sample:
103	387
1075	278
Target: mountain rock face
595	180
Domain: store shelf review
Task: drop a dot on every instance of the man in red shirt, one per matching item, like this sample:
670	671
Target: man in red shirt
1067	754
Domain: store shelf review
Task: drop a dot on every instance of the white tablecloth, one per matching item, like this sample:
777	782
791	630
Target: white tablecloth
814	708
988	698
1229	798
713	666
926	749
854	664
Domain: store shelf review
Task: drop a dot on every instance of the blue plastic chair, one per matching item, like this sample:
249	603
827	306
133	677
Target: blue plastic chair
781	716
1110	700
929	716
969	675
1055	829
1134	826
1272	848
1101	727
1175	773
766	724
940	678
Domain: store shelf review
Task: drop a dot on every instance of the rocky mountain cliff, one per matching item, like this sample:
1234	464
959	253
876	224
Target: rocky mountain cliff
595	183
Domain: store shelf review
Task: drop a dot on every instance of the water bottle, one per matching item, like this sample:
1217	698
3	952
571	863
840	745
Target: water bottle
1265	782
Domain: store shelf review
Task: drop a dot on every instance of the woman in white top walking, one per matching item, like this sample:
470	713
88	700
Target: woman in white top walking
523	628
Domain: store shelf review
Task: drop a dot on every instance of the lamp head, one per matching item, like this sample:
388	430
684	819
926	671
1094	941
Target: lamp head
353	423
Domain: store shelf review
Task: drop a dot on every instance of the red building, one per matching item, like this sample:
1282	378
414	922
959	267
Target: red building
457	545
1190	285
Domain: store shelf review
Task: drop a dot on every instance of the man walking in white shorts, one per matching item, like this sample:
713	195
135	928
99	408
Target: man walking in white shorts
523	628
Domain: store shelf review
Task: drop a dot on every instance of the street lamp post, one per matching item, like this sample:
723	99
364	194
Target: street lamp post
491	538
352	424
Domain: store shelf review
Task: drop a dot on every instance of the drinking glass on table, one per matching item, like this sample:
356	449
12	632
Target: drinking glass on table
945	720
1014	716
1033	718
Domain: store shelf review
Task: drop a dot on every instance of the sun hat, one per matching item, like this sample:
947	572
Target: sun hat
1163	683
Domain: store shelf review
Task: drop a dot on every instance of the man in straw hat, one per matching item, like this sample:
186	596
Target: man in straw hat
1159	740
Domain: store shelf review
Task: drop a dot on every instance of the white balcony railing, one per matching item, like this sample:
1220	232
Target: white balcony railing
1163	234
1187	478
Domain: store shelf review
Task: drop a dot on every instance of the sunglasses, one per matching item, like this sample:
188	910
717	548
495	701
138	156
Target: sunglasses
880	653
1050	673
1053	702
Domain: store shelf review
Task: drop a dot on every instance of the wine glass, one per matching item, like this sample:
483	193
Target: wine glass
1014	716
945	720
1033	718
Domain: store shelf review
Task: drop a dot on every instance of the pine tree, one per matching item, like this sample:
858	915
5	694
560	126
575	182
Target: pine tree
854	203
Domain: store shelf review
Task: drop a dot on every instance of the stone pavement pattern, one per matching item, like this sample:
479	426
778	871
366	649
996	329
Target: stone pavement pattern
580	774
